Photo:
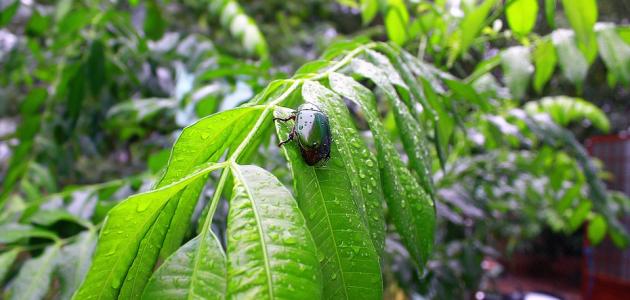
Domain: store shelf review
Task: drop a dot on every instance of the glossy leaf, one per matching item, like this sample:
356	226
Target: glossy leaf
411	209
517	68
348	261
121	240
396	20
582	15
33	280
545	60
197	270
270	252
360	163
469	28
521	15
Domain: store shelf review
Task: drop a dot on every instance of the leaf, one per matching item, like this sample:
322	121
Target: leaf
369	8
517	69
545	60
7	11
196	271
411	209
469	29
26	132
579	214
521	15
349	263
6	261
95	67
396	20
154	23
582	15
49	217
74	261
597	229
615	52
121	240
361	164
271	254
33	280
572	62
206	140
550	13
564	110
11	233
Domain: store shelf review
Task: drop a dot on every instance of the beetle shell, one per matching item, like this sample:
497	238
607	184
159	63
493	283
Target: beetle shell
313	132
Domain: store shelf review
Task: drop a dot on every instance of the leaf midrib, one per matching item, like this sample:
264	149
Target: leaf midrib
237	173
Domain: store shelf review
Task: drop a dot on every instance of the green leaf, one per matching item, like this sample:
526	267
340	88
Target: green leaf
360	163
545	60
196	271
154	23
615	52
11	233
579	214
8	10
396	20
369	8
582	15
564	110
95	67
26	132
6	261
572	62
206	140
521	15
73	263
49	217
469	29
349	263
597	229
122	240
33	280
517	68
270	252
411	209
550	13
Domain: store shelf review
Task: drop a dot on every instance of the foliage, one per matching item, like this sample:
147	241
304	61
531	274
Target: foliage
428	172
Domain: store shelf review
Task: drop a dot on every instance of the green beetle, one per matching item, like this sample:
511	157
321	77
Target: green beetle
313	133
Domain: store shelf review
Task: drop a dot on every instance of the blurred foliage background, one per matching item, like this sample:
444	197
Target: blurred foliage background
93	95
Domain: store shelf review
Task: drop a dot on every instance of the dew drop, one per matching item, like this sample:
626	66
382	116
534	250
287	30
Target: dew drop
369	162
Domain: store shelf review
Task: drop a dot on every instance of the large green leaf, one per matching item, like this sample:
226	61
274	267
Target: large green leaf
11	233
550	13
196	271
74	261
582	15
521	15
349	263
545	60
396	20
124	236
361	164
517	68
572	62
369	8
411	209
33	280
615	52
271	254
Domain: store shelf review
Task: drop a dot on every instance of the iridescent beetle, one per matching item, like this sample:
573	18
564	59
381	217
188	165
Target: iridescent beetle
313	133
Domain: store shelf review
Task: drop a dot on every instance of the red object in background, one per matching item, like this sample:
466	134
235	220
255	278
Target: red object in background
606	268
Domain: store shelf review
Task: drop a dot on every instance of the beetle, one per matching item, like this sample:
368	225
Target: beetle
312	130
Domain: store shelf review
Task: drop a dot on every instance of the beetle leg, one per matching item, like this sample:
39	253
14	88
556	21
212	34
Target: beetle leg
292	117
290	138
